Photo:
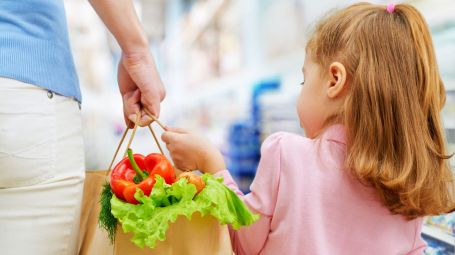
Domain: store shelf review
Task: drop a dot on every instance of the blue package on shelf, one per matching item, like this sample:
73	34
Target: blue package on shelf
245	167
265	85
436	248
244	148
438	232
244	139
244	151
258	90
242	133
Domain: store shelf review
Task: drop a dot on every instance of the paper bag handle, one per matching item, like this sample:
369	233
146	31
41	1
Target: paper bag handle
132	137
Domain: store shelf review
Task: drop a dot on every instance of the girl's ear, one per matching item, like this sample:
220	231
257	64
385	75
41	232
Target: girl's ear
337	80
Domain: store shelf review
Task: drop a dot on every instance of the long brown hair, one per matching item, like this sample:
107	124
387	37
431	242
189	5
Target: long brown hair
395	140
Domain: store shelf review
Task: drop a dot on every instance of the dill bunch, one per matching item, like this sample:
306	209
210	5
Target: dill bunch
106	220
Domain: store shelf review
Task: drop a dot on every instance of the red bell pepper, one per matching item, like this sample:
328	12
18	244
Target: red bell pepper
138	171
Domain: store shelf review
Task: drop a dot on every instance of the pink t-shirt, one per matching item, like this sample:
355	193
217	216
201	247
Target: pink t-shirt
309	204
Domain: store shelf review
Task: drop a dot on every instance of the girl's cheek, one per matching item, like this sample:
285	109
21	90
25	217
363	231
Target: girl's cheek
299	106
301	109
309	112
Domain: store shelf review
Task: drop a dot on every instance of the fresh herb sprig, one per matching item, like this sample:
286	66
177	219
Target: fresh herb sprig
106	220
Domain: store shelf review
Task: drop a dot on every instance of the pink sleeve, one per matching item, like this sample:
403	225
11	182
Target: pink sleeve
261	199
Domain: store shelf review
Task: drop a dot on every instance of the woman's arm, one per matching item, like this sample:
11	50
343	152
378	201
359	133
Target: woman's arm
121	19
139	82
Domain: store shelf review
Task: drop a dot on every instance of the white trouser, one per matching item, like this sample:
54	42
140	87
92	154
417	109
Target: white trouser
41	171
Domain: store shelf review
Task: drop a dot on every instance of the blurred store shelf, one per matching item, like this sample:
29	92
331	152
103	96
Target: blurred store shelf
436	12
245	79
203	15
438	234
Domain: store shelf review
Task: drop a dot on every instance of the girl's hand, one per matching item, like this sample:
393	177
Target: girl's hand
190	151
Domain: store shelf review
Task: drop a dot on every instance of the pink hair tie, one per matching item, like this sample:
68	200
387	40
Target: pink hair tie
390	7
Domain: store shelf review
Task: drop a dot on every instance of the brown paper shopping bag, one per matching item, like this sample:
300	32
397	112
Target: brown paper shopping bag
200	235
92	239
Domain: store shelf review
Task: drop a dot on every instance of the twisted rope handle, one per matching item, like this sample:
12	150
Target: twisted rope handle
155	119
156	139
132	137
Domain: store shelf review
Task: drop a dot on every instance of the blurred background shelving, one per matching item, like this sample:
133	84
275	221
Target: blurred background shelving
232	71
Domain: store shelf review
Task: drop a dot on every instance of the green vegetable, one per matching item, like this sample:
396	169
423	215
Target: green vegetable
140	175
150	219
106	220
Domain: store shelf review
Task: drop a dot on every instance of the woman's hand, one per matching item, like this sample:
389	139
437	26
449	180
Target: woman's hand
139	82
140	86
190	151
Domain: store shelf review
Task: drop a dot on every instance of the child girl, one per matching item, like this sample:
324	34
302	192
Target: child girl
374	160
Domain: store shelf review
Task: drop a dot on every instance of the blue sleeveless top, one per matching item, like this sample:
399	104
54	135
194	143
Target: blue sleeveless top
34	45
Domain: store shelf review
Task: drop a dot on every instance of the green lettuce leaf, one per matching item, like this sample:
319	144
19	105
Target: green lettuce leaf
222	203
150	219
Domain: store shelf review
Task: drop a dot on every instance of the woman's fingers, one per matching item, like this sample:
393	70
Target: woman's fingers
142	71
131	106
137	72
151	99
